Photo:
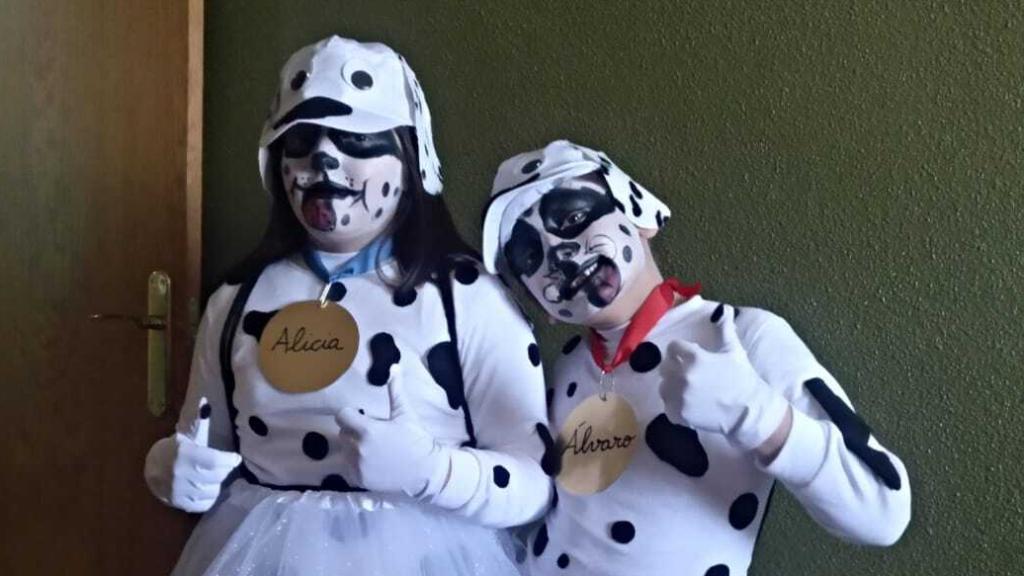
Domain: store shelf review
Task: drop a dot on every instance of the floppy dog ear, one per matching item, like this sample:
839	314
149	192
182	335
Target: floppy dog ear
430	164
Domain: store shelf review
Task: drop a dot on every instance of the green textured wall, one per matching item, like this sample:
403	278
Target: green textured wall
853	166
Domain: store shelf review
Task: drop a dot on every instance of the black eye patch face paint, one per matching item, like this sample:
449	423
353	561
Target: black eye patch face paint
366	145
524	251
567	212
300	140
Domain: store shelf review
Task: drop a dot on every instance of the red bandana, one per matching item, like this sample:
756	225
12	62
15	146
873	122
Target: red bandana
658	302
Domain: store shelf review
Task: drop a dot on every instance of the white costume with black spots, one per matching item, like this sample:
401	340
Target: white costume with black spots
714	389
690	503
289	440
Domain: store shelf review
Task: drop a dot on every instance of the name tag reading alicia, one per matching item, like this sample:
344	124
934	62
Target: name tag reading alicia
597	443
305	347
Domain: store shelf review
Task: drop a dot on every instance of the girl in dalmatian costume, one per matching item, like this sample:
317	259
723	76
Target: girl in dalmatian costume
724	400
426	437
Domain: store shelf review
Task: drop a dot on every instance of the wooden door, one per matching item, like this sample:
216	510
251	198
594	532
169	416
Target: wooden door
100	126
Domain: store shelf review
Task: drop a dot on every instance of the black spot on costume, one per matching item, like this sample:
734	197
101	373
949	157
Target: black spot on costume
855	433
678	446
384	354
645	357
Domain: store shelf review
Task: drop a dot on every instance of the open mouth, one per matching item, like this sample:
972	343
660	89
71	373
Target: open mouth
318	203
599	278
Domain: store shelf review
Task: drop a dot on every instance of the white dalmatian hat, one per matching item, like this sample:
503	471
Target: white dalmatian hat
524	178
353	86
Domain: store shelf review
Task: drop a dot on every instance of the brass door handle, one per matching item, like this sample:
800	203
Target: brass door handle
158	338
143	322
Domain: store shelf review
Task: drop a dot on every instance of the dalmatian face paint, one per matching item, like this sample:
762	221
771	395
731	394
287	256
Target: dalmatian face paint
574	250
343	186
347	88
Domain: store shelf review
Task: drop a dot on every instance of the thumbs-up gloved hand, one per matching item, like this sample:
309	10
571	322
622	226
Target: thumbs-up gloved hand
719	391
394	454
184	472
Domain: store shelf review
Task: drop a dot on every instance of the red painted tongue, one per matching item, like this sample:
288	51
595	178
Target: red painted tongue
319	213
606	281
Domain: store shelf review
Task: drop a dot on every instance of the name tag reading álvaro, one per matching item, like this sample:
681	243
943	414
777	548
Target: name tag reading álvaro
307	346
597	443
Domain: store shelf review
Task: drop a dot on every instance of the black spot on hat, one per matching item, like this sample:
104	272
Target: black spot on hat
563	561
336	292
659	218
362	80
533	352
645	357
255	321
385	189
205	411
743	511
634	190
622	532
258	426
565	313
676	445
528	213
314	445
501	476
551	461
378	213
531	166
718	570
735	313
540	540
383	354
627	254
637	211
345	219
466	273
402	298
571	390
423	174
443	365
299	79
717	314
314	108
619	205
855	433
625	230
554	497
571	344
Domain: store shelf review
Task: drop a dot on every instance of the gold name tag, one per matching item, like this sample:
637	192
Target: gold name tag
306	347
597	441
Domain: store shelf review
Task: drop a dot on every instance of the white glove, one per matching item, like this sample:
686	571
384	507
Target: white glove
184	472
719	391
395	454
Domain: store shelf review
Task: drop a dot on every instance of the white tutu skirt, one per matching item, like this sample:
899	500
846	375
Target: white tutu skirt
258	531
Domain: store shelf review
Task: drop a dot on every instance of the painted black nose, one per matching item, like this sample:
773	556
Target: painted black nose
560	257
323	161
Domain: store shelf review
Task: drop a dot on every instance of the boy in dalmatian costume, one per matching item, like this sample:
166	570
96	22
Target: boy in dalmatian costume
725	400
426	435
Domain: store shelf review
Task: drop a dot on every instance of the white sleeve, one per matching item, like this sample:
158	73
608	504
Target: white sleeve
499	482
205	375
851	485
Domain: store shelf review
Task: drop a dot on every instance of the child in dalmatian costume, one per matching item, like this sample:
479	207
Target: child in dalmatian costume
726	400
429	442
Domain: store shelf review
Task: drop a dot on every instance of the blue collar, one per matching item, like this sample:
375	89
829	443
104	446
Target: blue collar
364	261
